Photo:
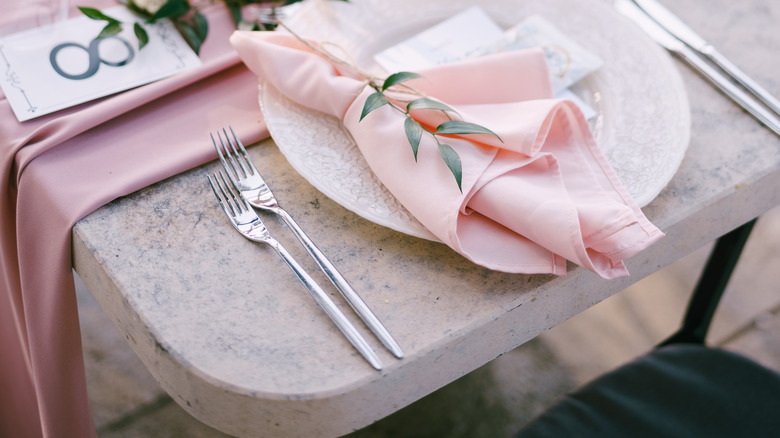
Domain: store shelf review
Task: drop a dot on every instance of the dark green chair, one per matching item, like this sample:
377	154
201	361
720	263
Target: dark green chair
682	388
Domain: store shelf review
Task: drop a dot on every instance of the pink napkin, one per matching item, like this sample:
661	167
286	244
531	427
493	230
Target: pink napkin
543	195
59	168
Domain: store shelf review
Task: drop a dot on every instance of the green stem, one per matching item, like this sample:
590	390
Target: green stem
406	113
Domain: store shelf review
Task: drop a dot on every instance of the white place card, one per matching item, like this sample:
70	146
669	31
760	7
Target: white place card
53	67
568	61
453	39
472	33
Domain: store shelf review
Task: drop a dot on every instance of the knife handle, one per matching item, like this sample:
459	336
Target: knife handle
730	89
741	78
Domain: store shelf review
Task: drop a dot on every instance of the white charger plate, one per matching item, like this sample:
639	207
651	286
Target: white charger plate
642	122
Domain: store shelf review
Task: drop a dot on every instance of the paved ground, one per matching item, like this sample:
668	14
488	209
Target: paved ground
498	398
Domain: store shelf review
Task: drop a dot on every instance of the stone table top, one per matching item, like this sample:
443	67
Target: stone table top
228	331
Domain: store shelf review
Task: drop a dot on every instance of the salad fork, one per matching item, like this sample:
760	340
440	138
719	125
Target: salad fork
246	221
255	191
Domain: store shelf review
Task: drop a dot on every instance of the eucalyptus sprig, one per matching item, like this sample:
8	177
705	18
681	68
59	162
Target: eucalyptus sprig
188	19
414	130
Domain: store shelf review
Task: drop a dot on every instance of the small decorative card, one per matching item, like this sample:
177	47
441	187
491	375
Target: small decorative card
568	61
472	33
451	40
50	68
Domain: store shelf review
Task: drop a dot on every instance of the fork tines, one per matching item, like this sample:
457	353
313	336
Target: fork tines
232	204
239	165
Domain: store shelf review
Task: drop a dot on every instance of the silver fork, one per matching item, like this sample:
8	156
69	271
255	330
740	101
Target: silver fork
253	188
246	221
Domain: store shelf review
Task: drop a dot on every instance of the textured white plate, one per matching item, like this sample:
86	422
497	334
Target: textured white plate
643	121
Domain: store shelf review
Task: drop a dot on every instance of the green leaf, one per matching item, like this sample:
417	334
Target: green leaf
172	8
136	10
112	28
414	133
97	15
426	103
373	102
140	33
190	35
397	78
459	127
235	12
201	25
452	159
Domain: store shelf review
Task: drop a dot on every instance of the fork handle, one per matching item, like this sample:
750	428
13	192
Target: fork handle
324	301
338	280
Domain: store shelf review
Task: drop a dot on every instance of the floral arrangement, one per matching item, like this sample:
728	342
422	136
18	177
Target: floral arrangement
188	19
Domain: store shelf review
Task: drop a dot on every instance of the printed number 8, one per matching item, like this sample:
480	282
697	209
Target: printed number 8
94	58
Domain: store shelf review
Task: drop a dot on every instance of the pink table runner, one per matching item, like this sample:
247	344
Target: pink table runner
59	168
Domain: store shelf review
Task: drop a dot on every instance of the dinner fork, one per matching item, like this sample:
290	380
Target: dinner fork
244	175
246	221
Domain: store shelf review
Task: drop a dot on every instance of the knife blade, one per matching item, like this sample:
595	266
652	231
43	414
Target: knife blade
684	33
633	12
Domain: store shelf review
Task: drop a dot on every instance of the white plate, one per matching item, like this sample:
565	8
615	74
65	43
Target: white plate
643	121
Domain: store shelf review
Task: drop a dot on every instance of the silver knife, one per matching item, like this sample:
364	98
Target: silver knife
631	11
681	31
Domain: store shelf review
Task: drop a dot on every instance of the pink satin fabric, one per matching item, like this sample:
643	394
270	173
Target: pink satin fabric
543	195
61	167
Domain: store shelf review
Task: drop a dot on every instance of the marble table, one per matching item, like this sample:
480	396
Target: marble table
226	329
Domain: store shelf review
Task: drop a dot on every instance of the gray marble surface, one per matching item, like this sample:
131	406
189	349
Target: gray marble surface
225	328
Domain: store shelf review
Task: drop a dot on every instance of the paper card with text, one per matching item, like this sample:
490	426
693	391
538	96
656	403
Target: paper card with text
450	40
50	68
568	61
472	33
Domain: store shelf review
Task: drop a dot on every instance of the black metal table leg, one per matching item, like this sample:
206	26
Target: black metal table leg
712	283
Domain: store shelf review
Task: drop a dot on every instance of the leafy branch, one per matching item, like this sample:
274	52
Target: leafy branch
188	19
414	130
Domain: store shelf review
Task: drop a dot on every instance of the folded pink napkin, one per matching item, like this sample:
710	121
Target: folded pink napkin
543	195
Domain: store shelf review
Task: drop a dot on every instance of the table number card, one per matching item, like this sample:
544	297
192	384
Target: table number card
50	68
